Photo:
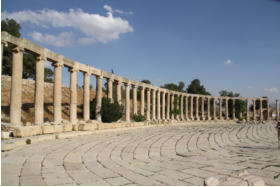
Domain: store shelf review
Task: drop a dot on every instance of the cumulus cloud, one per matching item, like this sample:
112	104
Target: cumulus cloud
271	90
228	62
110	9
94	27
63	39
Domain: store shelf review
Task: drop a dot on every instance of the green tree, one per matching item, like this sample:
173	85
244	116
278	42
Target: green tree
175	87
29	60
240	105
146	81
196	88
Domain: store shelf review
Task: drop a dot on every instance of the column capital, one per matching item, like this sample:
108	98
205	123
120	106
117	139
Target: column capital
74	68
18	49
41	58
57	64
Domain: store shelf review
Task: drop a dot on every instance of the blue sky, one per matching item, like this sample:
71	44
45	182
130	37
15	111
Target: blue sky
229	45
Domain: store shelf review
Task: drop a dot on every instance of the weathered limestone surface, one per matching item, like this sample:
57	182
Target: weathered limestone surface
152	155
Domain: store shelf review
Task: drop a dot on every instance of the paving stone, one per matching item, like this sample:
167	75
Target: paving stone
118	181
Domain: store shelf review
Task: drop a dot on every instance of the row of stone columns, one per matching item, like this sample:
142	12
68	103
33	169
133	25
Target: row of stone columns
158	109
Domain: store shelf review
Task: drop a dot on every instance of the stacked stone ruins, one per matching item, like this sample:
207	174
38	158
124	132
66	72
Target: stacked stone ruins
157	105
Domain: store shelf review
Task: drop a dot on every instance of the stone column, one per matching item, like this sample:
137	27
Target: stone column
98	98
163	105
148	104
221	108
142	104
57	92
181	106
208	108
119	92
172	106
154	104
261	110
254	110
226	108
127	102
277	110
187	111
268	109
168	106
233	109
196	108
158	105
73	94
202	108
214	109
110	89
86	95
248	111
39	90
15	106
192	108
134	88
3	44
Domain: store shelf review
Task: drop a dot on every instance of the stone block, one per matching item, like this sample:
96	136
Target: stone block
27	131
5	135
75	127
87	127
67	127
49	129
58	128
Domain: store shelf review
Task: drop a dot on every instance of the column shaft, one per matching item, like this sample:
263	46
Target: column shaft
187	111
172	106
192	108
261	110
168	106
208	108
57	92
268	109
15	102
202	108
39	90
86	96
214	109
226	108
277	110
110	89
119	92
158	105
233	109
134	99
127	102
254	110
148	104
98	98
196	108
221	108
142	104
163	105
154	104
73	95
182	107
248	111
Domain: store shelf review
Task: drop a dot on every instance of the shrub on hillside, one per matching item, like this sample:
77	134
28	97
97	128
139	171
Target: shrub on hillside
110	112
139	118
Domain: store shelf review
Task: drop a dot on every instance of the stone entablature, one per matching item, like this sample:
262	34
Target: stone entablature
156	108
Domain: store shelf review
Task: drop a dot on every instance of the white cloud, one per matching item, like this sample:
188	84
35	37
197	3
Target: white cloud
228	62
61	40
271	90
94	27
110	9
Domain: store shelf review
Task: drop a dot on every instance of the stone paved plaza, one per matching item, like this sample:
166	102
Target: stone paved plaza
158	155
